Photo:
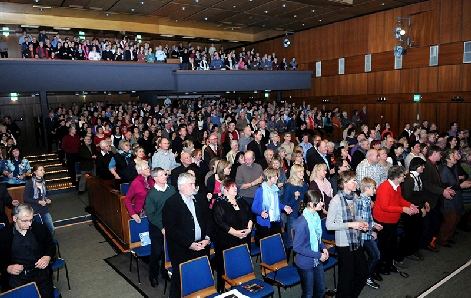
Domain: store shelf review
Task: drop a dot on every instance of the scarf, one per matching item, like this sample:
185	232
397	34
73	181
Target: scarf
350	214
267	192
315	230
36	188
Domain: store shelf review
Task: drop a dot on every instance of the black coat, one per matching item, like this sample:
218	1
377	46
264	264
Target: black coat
313	158
258	154
102	163
87	163
179	227
45	245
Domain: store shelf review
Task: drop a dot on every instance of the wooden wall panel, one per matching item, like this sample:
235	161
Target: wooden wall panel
427	111
375	82
346	87
388	39
465	82
359	83
409	80
329	36
450	20
447	77
375	31
382	61
450	53
416	57
330	67
391	114
408	113
391	82
466	21
338	41
355	64
423	29
428	79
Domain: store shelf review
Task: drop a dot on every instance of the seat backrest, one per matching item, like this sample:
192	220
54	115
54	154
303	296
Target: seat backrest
37	218
28	290
77	168
124	187
237	261
168	264
195	275
272	250
326	234
135	230
2	225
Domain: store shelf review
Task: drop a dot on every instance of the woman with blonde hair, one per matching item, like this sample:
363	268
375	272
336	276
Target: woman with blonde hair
267	207
294	190
322	185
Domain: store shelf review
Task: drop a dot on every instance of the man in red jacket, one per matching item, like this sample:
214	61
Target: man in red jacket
70	145
387	210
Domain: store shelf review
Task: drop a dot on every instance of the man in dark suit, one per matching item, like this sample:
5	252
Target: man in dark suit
212	150
87	156
188	226
257	146
50	124
319	155
26	249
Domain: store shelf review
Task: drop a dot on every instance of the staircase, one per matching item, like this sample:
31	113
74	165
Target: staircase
57	177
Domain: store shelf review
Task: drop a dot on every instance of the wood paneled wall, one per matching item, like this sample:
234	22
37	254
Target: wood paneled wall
434	22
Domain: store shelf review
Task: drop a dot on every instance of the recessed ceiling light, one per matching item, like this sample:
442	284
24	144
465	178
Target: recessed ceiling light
205	19
266	11
284	5
183	8
107	14
313	10
303	24
382	4
142	3
295	16
132	9
320	20
176	21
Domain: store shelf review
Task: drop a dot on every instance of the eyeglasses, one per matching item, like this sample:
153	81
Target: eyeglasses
352	181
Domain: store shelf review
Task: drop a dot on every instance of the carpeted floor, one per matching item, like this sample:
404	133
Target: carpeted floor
120	263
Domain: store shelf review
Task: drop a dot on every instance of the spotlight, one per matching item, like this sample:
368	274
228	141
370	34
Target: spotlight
399	32
286	42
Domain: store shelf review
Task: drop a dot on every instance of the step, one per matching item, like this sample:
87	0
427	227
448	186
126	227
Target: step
46	160
53	170
55	175
57	179
59	185
41	156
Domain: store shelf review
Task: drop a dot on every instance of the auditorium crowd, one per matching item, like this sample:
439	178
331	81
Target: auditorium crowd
213	169
125	49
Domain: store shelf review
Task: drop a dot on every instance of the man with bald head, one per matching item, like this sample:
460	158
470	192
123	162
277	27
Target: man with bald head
186	161
370	167
249	177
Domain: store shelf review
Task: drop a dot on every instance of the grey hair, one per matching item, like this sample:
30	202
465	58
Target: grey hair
22	208
184	177
103	143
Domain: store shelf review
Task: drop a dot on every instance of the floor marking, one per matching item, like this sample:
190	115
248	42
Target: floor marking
436	286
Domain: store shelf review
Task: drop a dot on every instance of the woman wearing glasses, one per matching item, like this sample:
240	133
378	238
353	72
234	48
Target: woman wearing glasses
138	190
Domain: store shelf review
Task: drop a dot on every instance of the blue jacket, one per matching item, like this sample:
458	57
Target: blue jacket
305	256
289	198
257	208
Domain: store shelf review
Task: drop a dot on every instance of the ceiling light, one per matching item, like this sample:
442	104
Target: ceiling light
188	37
284	5
382	4
313	10
132	9
29	26
183	8
166	35
61	28
107	14
266	11
142	2
320	20
40	6
205	19
295	16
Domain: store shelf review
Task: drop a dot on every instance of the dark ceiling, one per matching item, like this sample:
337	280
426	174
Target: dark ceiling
249	16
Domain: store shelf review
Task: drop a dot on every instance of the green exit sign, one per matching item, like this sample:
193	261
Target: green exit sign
416	97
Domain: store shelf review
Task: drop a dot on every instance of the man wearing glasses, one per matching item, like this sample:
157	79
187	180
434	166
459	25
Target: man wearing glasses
26	249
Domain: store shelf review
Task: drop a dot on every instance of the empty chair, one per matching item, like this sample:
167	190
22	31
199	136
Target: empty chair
328	237
139	242
196	278
123	188
28	290
273	263
239	274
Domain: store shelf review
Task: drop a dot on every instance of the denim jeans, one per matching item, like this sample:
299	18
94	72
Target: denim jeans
373	255
47	220
290	224
312	281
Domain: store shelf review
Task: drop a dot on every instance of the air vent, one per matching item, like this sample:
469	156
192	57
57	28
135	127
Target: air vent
433	56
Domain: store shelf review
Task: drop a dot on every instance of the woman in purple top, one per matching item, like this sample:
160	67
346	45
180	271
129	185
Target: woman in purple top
138	191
